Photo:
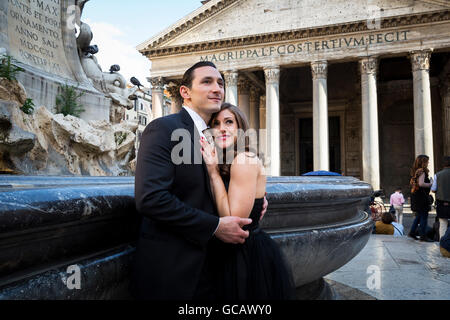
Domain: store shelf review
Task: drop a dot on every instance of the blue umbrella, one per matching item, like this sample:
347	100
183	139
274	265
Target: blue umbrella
321	173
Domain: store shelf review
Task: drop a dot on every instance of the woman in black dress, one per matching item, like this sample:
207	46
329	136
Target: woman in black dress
256	269
420	197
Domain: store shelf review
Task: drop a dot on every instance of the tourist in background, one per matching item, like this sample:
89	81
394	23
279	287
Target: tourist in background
441	186
397	200
420	197
387	225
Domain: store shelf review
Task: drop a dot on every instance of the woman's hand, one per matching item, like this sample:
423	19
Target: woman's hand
209	156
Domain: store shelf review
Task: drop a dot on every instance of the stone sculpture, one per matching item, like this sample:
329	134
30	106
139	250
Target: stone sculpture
47	143
112	83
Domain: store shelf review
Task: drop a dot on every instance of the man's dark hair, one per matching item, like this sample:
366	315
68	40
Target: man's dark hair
189	74
447	161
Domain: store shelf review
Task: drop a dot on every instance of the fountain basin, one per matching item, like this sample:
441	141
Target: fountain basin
50	223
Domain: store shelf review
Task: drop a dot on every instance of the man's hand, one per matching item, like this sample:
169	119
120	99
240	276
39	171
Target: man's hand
265	205
230	229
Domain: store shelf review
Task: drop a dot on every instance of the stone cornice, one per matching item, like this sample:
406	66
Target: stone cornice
343	28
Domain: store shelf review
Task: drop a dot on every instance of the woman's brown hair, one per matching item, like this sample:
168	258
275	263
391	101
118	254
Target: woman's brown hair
419	167
420	163
242	138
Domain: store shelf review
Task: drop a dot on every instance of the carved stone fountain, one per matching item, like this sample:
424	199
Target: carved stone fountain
50	224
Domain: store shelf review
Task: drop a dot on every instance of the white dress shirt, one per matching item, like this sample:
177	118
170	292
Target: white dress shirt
200	124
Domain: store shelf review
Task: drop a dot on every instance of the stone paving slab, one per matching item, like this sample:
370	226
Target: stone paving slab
408	269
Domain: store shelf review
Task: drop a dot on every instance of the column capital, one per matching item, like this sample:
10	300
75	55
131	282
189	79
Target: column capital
272	74
368	65
319	69
231	77
157	83
243	86
420	60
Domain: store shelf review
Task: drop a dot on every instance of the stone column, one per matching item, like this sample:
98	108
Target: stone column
231	82
157	96
254	108
177	102
370	148
262	112
244	97
272	75
423	125
445	94
263	130
320	116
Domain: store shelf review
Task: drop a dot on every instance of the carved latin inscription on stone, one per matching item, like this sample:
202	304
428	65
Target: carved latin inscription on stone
308	47
35	35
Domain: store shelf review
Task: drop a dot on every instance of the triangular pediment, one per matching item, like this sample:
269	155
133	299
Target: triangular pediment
227	19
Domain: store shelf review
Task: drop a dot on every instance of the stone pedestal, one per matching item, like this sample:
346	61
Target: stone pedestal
37	36
320	116
272	75
423	124
370	147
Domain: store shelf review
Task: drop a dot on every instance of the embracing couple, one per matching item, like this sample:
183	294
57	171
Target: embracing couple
199	237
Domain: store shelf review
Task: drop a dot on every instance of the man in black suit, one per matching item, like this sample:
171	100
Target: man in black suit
179	216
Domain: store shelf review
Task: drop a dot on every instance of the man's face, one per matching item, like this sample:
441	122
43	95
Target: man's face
206	93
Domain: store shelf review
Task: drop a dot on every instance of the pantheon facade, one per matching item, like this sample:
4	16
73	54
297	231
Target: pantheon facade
355	87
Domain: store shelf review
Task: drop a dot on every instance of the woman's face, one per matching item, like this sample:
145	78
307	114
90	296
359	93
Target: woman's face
225	129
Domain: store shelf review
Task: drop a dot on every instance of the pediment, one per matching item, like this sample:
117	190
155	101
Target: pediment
227	19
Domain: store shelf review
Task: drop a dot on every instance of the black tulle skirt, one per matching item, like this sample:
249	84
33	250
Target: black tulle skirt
255	270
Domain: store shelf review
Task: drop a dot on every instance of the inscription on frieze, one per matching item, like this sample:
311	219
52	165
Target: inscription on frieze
35	35
309	47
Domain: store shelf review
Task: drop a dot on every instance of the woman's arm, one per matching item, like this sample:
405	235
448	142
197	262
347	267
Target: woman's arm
217	186
239	199
243	183
422	182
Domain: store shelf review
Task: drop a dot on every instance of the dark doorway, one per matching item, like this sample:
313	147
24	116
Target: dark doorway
397	147
306	144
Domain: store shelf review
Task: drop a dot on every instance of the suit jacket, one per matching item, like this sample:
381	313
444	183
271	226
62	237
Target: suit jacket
179	216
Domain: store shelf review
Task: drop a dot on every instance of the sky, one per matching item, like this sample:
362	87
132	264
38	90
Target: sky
119	26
